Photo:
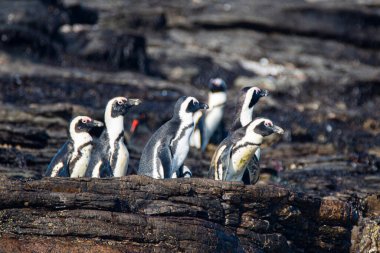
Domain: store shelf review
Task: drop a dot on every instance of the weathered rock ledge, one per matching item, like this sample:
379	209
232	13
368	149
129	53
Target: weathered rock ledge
139	214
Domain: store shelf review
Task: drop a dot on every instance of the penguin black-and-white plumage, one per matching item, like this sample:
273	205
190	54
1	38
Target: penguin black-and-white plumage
233	155
74	156
248	98
164	154
207	122
110	156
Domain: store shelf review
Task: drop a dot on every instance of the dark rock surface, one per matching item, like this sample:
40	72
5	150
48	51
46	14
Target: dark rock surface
318	59
143	214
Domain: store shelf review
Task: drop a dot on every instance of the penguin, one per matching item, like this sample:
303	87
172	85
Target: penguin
110	156
248	98
73	157
233	155
208	122
164	154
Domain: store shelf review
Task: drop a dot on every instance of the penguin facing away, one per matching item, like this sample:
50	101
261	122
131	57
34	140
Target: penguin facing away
73	157
164	154
110	156
233	155
210	120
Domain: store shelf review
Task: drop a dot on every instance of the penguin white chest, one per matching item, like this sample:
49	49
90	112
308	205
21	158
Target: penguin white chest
239	161
122	158
80	161
181	149
213	119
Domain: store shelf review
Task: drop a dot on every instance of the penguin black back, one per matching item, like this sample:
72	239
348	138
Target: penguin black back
167	149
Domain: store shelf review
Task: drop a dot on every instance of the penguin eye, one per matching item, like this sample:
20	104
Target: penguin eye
268	124
120	102
256	90
84	121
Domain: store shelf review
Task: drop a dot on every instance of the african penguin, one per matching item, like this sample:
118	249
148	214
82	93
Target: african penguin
233	155
210	120
73	157
248	98
164	154
110	156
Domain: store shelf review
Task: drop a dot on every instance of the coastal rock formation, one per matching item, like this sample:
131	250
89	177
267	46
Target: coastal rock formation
138	213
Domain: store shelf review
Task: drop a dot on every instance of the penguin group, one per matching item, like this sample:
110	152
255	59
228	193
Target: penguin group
192	124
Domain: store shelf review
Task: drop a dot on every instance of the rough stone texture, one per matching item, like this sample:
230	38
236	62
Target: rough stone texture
140	213
366	236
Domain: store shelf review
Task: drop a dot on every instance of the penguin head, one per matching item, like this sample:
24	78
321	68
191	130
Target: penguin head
217	85
264	127
185	107
119	106
82	125
251	96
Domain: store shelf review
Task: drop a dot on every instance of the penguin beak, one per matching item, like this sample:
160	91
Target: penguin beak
202	106
95	123
264	93
133	101
278	129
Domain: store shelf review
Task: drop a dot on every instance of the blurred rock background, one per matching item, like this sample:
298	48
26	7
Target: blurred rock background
319	60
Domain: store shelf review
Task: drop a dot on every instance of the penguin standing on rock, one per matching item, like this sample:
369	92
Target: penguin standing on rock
74	156
110	156
164	154
210	120
234	154
248	98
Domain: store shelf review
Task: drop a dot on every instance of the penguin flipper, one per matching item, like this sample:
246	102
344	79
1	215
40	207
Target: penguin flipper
203	133
59	164
220	162
65	171
252	172
165	155
225	159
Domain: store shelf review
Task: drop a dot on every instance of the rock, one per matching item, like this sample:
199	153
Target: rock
366	235
118	50
218	211
373	205
31	27
30	137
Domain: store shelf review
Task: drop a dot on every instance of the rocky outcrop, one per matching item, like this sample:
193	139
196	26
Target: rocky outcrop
141	214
